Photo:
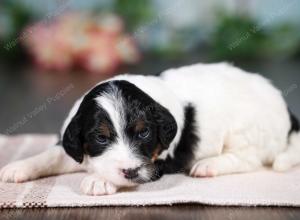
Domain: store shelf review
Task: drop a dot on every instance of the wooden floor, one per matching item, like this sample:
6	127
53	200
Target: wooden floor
23	92
180	212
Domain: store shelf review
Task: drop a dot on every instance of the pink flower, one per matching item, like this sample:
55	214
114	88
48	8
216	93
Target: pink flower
95	43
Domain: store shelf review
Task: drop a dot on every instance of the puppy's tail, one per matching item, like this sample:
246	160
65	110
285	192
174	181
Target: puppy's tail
290	157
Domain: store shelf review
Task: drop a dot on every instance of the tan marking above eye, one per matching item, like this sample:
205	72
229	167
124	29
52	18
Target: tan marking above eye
104	129
139	125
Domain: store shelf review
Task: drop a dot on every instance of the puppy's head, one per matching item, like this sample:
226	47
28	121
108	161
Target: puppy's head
119	131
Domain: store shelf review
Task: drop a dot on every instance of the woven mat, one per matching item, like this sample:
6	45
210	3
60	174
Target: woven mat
264	187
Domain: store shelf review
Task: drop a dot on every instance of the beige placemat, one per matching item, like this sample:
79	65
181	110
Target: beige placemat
260	188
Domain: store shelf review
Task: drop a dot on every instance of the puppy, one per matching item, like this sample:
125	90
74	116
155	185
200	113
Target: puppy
204	120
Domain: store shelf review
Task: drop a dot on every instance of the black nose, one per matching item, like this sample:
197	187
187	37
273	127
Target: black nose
131	173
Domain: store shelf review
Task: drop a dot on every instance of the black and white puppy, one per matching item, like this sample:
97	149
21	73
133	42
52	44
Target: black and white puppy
204	119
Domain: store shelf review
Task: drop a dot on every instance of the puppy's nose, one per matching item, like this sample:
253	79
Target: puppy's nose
131	173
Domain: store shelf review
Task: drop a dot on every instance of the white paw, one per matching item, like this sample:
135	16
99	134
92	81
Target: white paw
17	172
205	168
282	163
95	186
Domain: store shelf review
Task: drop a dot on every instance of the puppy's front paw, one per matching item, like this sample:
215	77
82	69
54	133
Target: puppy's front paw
17	172
205	168
95	186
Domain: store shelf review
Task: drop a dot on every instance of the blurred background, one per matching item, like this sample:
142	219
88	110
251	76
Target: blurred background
51	51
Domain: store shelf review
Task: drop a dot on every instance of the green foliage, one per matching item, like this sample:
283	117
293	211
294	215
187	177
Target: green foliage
284	41
238	37
134	12
19	17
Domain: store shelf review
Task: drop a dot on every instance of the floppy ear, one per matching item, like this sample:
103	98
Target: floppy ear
72	142
167	126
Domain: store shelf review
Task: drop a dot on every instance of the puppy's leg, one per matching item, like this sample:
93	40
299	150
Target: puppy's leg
226	163
50	162
95	186
290	157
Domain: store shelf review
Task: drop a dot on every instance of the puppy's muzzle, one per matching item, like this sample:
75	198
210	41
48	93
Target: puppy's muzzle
131	173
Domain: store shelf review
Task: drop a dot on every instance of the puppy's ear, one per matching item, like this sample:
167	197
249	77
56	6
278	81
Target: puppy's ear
167	126
72	142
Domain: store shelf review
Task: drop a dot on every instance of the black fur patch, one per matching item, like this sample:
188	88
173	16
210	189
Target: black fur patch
82	133
184	151
294	123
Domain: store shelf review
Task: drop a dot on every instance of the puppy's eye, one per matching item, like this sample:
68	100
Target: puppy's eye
101	139
144	133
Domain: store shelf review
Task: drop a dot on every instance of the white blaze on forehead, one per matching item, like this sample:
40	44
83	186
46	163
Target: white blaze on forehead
112	103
